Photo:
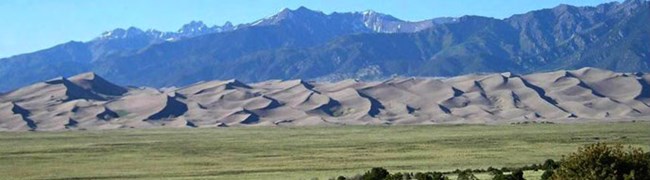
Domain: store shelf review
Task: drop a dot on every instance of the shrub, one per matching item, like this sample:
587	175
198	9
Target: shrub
600	161
376	173
438	176
550	164
397	176
466	175
516	175
547	174
429	176
497	174
422	176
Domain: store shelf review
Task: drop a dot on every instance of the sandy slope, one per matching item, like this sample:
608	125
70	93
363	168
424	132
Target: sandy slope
87	101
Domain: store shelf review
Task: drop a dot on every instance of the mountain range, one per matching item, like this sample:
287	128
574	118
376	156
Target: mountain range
308	44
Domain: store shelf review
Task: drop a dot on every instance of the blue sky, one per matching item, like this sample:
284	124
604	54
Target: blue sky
30	25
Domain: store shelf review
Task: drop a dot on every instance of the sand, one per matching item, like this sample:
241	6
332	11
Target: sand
87	101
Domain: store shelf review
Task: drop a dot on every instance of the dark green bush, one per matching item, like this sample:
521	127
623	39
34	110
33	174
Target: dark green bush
466	175
550	164
547	174
376	173
516	175
602	161
422	176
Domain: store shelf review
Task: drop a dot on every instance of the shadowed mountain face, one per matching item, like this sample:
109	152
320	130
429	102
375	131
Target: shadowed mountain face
306	44
587	94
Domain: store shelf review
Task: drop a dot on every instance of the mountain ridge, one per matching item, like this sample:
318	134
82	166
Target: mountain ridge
347	45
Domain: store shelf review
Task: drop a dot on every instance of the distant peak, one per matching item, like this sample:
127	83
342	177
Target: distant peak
134	29
284	10
299	10
227	24
122	33
114	33
285	13
193	26
368	12
303	8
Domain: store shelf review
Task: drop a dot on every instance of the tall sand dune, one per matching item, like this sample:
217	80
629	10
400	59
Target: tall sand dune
87	101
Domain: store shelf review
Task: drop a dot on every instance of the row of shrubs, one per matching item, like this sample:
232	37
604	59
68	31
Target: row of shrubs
379	173
591	162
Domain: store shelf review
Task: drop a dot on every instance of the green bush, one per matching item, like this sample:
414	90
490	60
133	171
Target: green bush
376	173
422	176
466	175
547	174
516	175
430	176
550	164
602	162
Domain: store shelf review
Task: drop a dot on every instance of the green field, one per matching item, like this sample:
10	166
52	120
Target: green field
297	152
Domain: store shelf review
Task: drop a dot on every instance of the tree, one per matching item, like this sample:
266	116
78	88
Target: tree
601	161
396	176
497	174
550	164
517	175
376	173
422	176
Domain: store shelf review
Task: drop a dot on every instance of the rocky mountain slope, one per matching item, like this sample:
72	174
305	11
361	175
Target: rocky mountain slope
287	29
87	101
307	44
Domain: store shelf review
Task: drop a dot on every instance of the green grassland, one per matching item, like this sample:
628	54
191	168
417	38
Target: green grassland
296	152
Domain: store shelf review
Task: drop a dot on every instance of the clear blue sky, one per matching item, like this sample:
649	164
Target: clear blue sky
30	25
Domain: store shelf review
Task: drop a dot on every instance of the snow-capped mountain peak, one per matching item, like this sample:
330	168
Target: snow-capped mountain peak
189	30
286	14
193	27
366	21
120	33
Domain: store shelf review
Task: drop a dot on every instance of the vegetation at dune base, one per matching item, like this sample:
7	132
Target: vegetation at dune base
602	161
304	152
598	161
379	173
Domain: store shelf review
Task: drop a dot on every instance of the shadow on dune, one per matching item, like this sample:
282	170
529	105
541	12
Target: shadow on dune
173	108
24	113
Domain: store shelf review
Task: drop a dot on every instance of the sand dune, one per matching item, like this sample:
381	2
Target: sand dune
92	82
87	101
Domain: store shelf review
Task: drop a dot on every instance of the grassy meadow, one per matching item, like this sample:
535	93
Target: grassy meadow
296	152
